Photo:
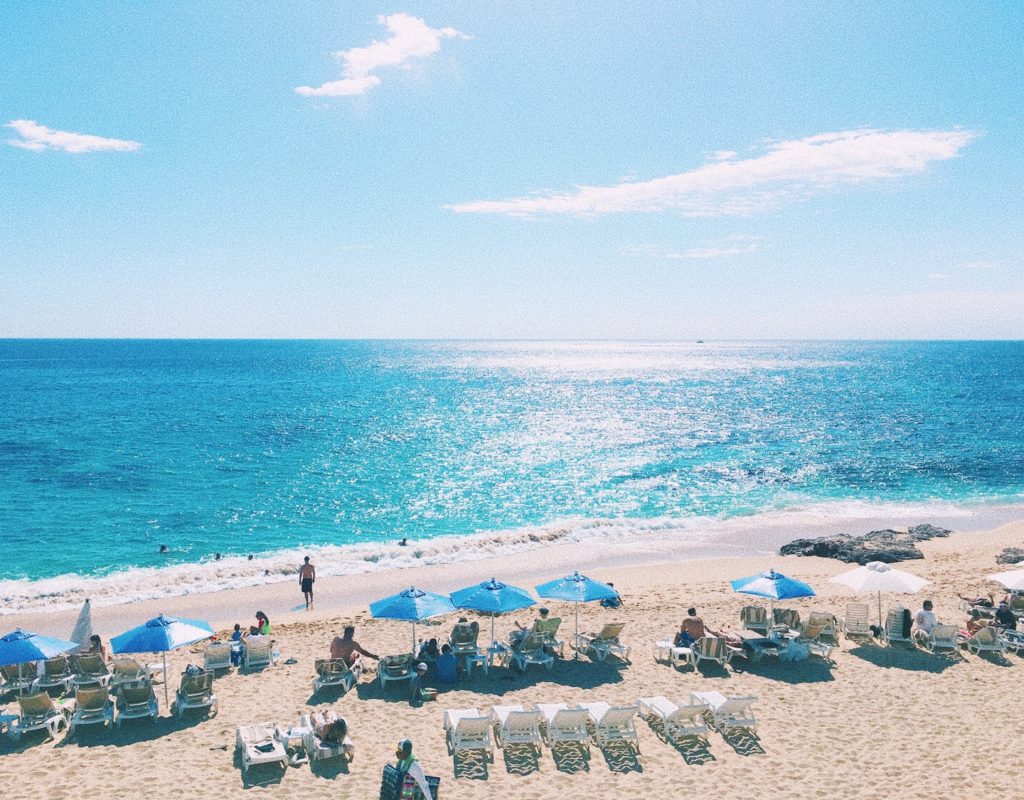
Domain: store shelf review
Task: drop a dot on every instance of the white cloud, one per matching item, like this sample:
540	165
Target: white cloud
939	276
411	38
789	170
981	265
38	137
714	251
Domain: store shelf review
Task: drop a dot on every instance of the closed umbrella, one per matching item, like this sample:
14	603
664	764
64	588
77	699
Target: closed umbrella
1012	580
492	597
412	605
82	631
579	589
20	646
878	577
159	635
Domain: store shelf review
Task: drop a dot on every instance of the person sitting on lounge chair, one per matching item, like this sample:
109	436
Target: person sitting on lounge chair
519	635
465	630
96	648
691	629
975	622
346	648
924	621
335	734
1005	618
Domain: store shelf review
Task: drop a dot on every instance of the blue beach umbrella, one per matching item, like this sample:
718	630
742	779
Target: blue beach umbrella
412	605
159	635
773	585
579	589
20	646
492	597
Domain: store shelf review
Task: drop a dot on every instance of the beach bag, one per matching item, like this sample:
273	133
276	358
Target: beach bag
907	623
393	784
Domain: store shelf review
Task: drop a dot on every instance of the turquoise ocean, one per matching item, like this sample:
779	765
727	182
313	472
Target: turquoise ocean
110	448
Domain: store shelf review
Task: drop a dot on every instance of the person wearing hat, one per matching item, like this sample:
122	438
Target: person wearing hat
411	772
417	691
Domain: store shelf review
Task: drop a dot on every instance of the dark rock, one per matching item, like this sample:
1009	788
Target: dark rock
887	545
1011	555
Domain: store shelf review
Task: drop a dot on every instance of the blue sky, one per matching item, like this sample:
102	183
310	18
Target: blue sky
570	170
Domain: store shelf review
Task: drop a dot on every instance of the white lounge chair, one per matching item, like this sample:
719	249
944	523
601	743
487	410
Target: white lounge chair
711	648
336	672
564	724
755	618
316	748
547	630
613	723
92	707
515	726
728	712
942	637
466	729
395	668
38	712
258	744
136	701
463	641
217	655
786	621
987	639
894	627
196	691
604	643
679	721
532	651
856	623
91	670
818	626
56	673
18	678
257	653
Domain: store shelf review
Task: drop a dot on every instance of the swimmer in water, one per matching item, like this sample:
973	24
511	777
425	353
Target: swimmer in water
163	548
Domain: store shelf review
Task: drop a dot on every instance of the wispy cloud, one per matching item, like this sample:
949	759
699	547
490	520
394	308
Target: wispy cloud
727	184
714	251
981	265
411	38
38	137
719	248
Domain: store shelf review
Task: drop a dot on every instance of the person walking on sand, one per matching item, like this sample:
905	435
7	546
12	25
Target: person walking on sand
307	574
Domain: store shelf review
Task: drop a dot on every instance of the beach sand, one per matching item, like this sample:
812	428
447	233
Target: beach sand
877	723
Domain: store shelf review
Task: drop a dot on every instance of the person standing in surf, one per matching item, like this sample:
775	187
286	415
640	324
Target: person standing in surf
307	574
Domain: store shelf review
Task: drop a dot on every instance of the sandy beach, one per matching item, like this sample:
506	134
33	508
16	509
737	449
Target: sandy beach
877	722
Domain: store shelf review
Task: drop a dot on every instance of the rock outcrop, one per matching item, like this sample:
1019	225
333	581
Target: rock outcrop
1011	555
886	545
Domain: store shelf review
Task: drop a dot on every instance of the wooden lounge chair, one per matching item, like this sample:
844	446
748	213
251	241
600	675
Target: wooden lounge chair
38	712
856	623
564	724
217	655
755	618
136	701
196	691
604	643
819	625
532	651
711	648
18	678
942	637
258	744
613	724
678	721
126	670
331	672
466	729
395	668
513	726
463	640
92	707
56	673
91	670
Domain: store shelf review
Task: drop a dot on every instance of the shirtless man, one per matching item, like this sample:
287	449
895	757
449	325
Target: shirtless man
307	574
347	648
693	625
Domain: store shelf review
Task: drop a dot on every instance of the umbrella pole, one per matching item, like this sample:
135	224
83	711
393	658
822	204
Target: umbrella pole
414	654
880	608
167	697
493	640
576	641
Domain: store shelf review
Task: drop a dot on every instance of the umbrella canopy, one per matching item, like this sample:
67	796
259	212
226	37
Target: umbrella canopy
20	646
1012	580
159	635
878	577
579	589
492	597
83	626
412	605
773	585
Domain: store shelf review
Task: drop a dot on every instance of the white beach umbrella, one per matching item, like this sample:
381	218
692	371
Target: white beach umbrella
879	577
83	626
1012	580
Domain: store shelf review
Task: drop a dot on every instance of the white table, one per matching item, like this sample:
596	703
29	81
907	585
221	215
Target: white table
295	738
666	650
548	710
498	652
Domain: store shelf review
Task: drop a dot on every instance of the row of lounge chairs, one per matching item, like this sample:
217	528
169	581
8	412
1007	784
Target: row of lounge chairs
257	653
467	729
67	672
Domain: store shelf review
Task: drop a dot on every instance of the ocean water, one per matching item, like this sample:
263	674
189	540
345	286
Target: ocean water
109	449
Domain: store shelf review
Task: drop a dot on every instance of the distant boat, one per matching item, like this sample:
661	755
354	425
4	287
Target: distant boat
700	341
